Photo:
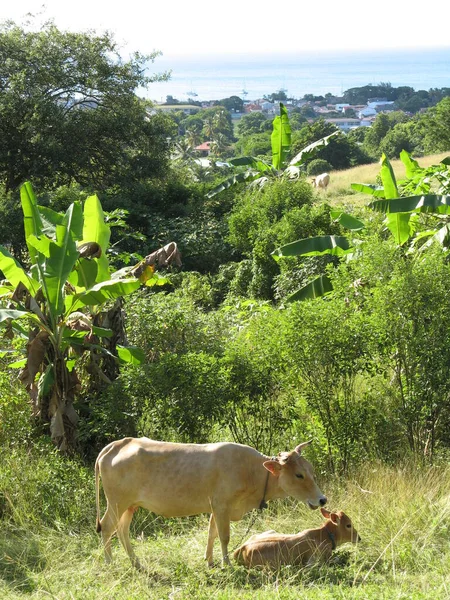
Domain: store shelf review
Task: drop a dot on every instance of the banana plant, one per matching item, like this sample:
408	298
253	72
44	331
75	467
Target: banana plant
423	191
258	171
401	217
54	303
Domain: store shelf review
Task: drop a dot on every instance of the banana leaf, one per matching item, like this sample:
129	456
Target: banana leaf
14	273
10	313
237	178
56	259
31	218
368	188
310	151
346	220
315	289
397	223
101	292
388	178
250	161
281	138
411	165
429	203
96	230
315	246
130	354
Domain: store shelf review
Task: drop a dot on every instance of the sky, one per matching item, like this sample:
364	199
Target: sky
185	28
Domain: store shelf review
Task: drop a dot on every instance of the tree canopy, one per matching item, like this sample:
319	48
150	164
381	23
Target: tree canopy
69	110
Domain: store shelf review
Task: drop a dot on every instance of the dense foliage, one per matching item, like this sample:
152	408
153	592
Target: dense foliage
227	355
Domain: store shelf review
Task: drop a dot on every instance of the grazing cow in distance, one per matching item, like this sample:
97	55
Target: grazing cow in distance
176	480
275	549
321	181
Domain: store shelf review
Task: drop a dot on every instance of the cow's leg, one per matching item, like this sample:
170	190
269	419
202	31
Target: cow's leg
123	532
212	534
222	519
108	526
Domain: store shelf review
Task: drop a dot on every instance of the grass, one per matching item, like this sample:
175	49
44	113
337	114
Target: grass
339	192
402	515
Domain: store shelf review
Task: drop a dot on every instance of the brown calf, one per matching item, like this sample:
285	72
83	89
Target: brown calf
275	549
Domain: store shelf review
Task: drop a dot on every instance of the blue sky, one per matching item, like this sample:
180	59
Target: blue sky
178	27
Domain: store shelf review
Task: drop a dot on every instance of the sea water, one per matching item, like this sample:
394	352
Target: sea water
251	77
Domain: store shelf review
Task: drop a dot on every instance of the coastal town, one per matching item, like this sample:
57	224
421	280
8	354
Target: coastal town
345	116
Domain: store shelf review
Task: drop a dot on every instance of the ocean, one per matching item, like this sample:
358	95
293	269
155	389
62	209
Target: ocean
251	77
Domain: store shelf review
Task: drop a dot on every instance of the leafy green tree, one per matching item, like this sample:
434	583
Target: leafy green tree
69	110
317	166
383	123
297	119
278	96
233	104
339	152
251	123
403	136
256	144
435	126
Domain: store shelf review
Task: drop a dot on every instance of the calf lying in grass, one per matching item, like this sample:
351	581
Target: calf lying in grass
275	549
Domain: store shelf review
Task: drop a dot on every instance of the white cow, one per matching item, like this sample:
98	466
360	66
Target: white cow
321	181
176	480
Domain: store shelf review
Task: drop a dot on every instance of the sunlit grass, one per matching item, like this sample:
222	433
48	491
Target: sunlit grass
402	515
339	191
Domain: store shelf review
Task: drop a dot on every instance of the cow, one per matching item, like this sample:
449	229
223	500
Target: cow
321	181
274	549
176	480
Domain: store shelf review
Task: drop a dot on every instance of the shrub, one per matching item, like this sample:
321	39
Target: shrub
317	166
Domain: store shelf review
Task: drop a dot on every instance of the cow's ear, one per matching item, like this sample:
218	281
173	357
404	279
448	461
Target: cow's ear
300	447
326	513
273	466
335	519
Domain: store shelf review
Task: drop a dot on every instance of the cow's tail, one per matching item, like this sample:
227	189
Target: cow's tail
97	494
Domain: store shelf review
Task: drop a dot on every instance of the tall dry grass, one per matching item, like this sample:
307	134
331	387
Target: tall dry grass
339	191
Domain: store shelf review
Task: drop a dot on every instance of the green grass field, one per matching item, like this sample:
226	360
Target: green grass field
402	515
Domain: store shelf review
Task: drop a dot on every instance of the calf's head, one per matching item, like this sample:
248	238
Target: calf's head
341	526
296	476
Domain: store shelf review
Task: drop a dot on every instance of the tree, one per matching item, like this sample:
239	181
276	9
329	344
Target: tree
403	136
435	126
339	152
383	123
60	298
69	110
251	123
233	104
278	96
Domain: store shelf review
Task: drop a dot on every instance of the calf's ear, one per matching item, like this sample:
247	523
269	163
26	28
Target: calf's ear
273	466
335	519
326	513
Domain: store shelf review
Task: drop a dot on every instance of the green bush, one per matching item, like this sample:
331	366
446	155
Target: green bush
318	166
258	210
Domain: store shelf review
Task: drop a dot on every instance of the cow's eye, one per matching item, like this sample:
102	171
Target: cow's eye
299	475
348	526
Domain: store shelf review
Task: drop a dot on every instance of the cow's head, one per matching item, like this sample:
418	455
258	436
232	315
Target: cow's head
296	476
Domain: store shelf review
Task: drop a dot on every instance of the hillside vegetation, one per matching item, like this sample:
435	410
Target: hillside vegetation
145	294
